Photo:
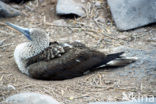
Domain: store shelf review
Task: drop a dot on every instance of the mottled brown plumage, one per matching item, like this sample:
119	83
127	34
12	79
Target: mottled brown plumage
54	50
72	63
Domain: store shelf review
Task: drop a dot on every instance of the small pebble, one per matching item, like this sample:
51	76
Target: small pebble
98	4
11	87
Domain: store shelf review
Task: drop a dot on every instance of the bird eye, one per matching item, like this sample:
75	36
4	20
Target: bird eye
27	31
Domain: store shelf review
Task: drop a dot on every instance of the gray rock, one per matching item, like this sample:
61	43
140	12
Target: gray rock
145	66
30	98
140	101
130	14
67	7
6	11
15	1
5	1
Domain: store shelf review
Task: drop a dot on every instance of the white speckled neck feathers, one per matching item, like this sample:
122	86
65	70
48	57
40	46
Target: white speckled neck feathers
40	41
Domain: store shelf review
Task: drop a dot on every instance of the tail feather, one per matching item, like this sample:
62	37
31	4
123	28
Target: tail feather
121	61
117	60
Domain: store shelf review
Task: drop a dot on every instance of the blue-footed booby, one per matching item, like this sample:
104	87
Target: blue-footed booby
41	59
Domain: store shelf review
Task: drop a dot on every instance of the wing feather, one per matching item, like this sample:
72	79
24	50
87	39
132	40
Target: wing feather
53	51
73	63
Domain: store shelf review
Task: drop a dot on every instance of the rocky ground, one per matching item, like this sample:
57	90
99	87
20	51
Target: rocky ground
96	30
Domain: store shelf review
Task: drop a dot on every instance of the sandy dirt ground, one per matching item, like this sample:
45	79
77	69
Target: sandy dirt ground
96	30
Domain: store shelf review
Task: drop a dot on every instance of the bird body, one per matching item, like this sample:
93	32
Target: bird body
46	60
73	62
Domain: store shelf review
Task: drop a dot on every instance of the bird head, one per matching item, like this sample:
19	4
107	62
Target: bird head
32	34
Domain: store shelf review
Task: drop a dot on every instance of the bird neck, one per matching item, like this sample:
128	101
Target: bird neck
27	50
39	45
33	48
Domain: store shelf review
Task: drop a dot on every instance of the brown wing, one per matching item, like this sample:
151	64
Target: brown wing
53	51
73	63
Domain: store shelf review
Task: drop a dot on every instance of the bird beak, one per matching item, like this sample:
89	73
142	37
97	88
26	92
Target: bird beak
24	31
